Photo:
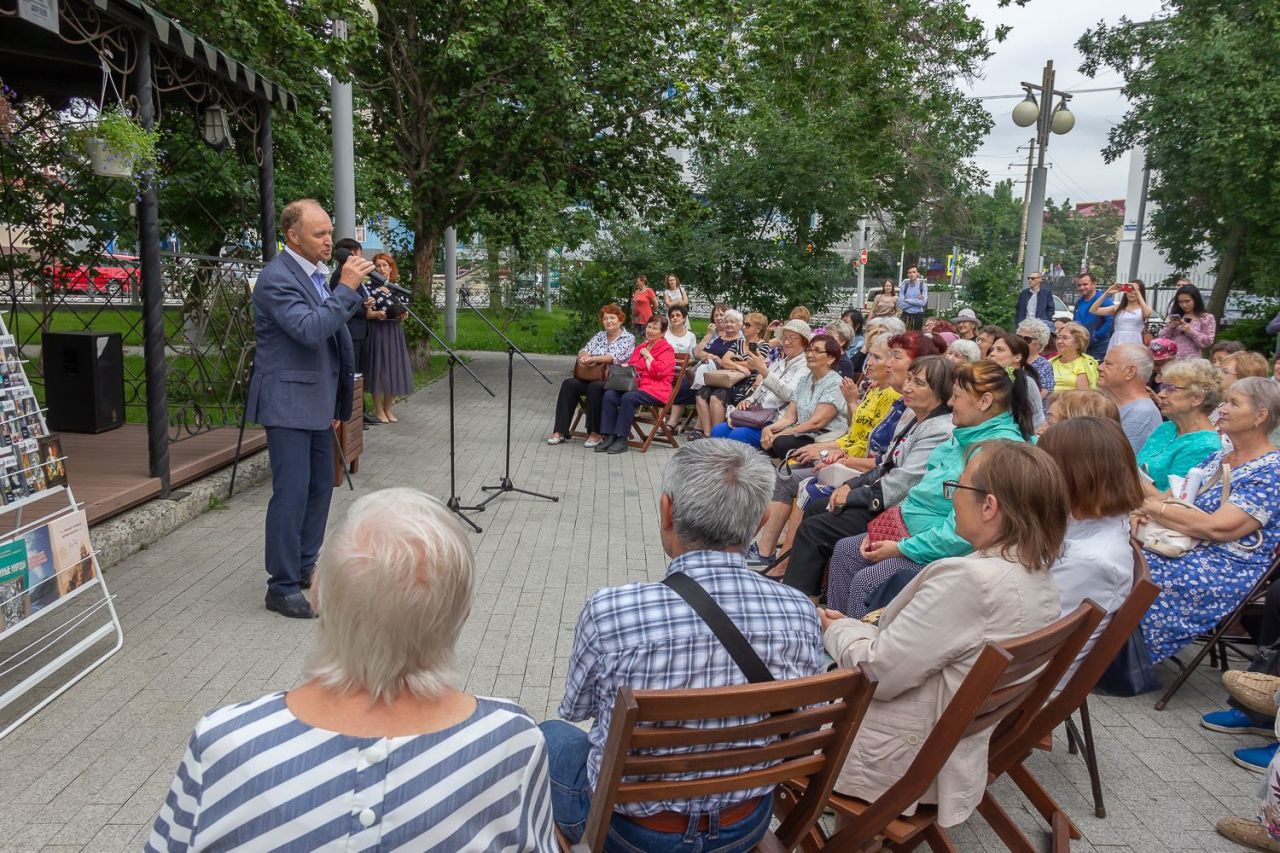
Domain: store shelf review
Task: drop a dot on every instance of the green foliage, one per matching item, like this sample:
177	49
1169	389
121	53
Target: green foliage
583	291
1201	81
123	137
991	289
1250	331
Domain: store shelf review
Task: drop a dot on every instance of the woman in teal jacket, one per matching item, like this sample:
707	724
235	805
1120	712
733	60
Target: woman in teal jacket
989	402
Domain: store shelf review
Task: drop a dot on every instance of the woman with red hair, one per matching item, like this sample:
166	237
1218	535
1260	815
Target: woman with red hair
389	372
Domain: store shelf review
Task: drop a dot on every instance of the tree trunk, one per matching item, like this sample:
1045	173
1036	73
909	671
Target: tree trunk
1228	263
424	267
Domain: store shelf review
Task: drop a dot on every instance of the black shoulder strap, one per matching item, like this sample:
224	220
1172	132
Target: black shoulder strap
721	625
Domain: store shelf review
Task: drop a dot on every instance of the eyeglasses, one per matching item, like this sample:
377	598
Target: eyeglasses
1166	387
818	350
950	486
1027	338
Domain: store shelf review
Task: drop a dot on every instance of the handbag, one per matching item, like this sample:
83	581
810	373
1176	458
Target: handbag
1168	542
1132	672
721	378
622	378
888	526
590	372
752	418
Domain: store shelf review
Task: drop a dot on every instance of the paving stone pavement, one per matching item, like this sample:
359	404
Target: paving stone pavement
90	771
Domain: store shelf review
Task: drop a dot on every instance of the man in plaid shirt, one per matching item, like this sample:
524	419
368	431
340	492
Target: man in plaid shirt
714	497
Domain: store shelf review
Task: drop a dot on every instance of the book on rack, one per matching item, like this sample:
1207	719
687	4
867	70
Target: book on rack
56	558
14	602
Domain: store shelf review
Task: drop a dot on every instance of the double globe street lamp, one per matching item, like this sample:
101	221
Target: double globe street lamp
1057	120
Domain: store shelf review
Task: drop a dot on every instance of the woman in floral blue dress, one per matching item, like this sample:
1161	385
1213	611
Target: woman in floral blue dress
1238	537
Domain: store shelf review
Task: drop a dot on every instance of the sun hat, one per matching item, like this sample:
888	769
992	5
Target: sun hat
1163	349
966	315
800	327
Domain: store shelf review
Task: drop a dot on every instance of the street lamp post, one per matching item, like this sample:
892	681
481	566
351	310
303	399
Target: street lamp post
1051	119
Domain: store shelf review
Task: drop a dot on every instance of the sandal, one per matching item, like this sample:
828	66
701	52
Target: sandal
556	439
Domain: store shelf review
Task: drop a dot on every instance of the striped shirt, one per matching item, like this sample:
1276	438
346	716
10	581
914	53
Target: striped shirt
255	777
645	635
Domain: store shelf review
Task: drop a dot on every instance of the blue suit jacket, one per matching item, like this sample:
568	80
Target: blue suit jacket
1042	310
304	361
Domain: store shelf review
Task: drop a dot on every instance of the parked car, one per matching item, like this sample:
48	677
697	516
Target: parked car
113	275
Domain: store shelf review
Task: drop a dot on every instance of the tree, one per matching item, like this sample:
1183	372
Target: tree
1206	109
509	107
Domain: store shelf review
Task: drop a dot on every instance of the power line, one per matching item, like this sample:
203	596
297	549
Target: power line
1022	95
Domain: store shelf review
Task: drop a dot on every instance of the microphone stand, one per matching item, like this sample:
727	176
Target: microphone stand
453	503
504	484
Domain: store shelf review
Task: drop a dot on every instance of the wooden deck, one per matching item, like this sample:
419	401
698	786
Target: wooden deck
108	471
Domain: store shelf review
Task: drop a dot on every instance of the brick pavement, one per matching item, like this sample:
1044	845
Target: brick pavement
90	771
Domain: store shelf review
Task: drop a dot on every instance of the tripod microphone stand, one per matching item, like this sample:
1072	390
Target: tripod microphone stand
453	503
504	484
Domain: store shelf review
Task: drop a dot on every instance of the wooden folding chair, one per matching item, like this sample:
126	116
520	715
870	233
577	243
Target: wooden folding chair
1216	642
1008	754
1003	688
811	742
655	417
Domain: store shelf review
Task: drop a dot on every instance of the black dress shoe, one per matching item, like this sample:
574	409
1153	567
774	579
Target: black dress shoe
294	606
619	445
305	583
605	444
371	420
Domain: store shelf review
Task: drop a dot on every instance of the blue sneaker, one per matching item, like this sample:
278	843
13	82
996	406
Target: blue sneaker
1235	721
756	560
1255	758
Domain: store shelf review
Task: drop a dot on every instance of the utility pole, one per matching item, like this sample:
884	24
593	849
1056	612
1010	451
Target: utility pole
451	285
344	157
1026	199
1135	254
902	256
862	268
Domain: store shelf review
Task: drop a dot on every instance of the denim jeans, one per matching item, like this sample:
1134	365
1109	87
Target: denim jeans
567	749
746	435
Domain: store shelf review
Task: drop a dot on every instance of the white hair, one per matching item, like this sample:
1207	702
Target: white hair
1140	357
719	489
890	325
1264	395
731	314
1036	328
394	584
840	329
968	349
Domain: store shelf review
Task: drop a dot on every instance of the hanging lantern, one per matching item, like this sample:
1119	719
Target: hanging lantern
214	128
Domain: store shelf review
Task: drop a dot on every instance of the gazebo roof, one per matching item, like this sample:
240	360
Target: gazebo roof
36	61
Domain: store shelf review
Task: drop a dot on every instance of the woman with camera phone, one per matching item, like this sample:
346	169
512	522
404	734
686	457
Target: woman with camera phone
1130	309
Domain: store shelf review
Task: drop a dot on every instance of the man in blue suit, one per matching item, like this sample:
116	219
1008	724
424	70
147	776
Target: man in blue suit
301	389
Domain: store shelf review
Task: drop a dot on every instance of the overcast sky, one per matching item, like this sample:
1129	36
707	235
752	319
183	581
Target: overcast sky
1044	30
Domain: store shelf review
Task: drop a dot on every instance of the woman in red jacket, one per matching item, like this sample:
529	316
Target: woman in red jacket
655	364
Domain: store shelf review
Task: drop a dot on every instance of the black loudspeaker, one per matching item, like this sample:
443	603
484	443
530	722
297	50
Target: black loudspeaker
83	381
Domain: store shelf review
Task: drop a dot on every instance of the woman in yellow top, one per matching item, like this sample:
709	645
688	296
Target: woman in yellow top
1072	366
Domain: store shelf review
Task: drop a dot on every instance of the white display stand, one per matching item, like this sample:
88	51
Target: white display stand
47	646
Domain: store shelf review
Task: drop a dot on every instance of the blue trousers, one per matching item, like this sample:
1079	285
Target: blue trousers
618	411
746	435
301	489
567	749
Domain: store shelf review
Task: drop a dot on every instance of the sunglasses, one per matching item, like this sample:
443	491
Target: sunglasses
1027	338
950	486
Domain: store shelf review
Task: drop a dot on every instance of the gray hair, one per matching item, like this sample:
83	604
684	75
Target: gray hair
1138	356
890	325
1264	395
731	314
393	587
293	211
840	329
968	349
1199	377
719	489
1036	329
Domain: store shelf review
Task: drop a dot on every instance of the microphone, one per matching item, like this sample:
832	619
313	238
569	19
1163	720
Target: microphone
374	276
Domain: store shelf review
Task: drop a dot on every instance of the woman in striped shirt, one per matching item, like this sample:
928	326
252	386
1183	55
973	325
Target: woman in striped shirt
375	750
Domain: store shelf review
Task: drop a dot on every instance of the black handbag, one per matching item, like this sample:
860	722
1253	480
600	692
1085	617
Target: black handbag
1132	672
622	378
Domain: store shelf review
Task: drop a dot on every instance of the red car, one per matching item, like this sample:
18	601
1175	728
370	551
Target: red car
114	275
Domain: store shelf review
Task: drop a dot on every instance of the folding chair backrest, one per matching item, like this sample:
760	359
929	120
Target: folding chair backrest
810	743
682	363
1003	681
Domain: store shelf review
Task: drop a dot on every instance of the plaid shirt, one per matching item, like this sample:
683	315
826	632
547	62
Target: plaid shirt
645	635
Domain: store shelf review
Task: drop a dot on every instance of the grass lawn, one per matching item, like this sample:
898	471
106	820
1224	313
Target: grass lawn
25	324
535	331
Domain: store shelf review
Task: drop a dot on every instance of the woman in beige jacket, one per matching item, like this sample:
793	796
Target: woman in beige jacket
929	637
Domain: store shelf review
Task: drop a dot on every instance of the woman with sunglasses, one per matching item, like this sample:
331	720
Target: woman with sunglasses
1189	391
1037	335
